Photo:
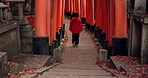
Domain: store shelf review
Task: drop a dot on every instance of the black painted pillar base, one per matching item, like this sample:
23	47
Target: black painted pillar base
83	20
105	44
63	31
87	26
55	44
119	46
103	38
92	28
58	38
40	45
99	34
96	31
51	47
109	49
68	14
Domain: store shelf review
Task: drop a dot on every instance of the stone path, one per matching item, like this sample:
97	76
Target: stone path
84	53
79	61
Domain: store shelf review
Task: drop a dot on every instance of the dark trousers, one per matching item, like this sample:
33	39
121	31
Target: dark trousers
75	38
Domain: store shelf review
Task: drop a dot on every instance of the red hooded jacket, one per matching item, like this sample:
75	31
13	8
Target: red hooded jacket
75	25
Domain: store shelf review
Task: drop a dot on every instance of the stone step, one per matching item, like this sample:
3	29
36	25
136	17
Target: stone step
78	73
75	70
78	66
82	51
49	76
40	71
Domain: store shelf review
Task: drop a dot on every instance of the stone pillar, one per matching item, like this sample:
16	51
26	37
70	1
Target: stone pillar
3	64
103	55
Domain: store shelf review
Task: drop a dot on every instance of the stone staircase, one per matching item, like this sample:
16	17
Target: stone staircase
76	71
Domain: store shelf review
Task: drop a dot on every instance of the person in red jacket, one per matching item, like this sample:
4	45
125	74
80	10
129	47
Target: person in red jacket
75	28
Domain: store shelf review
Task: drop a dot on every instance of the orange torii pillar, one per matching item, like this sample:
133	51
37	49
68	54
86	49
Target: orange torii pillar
40	41
99	13
74	6
90	15
87	14
67	7
119	42
111	25
63	8
105	16
48	20
51	46
79	8
83	11
71	5
62	19
59	15
98	19
92	20
111	21
55	42
104	23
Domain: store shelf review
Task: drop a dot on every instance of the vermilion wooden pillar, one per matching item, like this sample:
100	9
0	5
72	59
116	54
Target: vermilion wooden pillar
83	11
40	18
99	13
55	22
52	20
87	11
112	21
67	7
51	46
61	2
74	6
79	8
83	8
48	20
91	9
82	4
98	20
71	5
62	20
59	14
63	8
119	46
120	17
90	15
105	17
40	41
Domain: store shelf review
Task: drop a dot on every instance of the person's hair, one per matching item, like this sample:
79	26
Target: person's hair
75	14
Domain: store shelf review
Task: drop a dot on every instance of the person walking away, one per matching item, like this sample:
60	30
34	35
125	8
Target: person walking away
76	28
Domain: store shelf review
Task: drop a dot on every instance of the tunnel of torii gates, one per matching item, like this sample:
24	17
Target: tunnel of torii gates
109	23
